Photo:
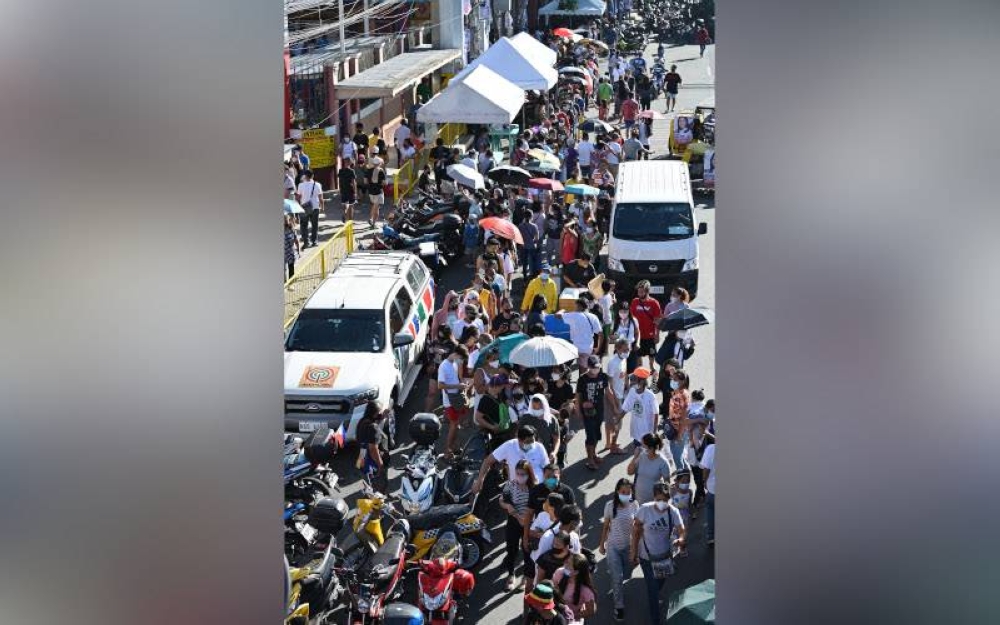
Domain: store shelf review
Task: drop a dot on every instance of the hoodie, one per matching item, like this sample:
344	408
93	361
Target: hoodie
441	316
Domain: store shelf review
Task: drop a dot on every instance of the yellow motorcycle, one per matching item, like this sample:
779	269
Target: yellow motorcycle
296	613
376	511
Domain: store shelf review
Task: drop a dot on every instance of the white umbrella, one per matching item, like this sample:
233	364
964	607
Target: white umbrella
543	351
293	208
466	176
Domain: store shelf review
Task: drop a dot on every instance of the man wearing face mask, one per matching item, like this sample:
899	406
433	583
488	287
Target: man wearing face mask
617	372
577	274
492	415
451	385
551	483
542	285
592	390
640	401
655	523
524	447
646	311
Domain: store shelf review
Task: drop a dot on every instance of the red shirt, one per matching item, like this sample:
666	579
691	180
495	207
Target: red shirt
702	35
569	247
630	108
646	312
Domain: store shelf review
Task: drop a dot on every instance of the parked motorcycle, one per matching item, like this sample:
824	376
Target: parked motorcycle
423	246
443	586
450	227
375	509
371	586
419	484
462	471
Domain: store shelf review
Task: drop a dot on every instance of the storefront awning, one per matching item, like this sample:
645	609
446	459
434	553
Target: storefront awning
401	72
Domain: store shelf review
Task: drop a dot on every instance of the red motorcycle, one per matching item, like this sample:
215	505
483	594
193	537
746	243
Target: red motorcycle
442	584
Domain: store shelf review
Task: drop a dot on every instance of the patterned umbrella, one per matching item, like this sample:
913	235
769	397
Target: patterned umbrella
545	183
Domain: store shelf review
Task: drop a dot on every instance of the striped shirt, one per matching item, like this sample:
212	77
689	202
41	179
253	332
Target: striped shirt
517	496
620	532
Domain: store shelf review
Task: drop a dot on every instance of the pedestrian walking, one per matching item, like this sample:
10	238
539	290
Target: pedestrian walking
677	412
616	533
708	467
625	327
376	188
514	501
671	83
399	138
616	370
348	184
576	586
292	247
640	402
373	458
591	391
703	38
646	311
652	547
532	245
310	195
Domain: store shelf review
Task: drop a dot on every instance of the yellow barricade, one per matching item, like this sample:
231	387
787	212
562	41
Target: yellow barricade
310	274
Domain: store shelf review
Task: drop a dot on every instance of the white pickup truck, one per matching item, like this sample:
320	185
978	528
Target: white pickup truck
360	336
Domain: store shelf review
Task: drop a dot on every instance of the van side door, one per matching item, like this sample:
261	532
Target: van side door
401	317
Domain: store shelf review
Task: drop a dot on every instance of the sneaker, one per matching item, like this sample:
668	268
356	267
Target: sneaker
511	583
619	614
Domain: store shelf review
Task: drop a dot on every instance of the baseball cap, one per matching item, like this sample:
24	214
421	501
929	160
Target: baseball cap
641	372
593	361
499	380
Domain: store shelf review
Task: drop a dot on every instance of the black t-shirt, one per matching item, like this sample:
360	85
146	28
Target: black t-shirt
381	146
347	178
440	153
361	140
370	431
553	225
376	182
501	322
579	275
490	407
559	395
540	492
671	80
592	390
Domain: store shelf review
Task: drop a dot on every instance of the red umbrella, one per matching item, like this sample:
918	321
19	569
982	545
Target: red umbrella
545	184
502	228
564	32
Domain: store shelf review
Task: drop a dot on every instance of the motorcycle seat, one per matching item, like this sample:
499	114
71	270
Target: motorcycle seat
438	516
392	548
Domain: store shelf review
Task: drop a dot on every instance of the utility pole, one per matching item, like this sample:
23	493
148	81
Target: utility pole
367	30
343	42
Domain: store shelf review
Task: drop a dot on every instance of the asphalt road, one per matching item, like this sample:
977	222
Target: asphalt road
490	603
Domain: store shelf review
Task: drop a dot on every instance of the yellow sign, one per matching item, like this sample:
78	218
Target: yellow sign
319	147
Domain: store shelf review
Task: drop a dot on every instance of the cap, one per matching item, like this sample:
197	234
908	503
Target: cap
593	361
545	266
541	597
375	150
378	162
641	372
499	380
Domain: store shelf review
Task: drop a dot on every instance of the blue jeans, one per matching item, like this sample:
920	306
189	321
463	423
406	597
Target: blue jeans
532	261
653	588
709	516
620	568
677	452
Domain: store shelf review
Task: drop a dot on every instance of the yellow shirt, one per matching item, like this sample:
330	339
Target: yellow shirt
537	287
570	198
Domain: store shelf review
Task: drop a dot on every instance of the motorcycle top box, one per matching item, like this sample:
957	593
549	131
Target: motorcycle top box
328	515
321	446
425	428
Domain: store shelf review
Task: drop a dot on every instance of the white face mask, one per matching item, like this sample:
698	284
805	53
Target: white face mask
521	478
624	498
555	376
681	334
536	412
494	364
662	505
545	277
674	385
684	485
674	299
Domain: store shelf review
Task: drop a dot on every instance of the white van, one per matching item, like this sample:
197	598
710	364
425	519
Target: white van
654	232
360	336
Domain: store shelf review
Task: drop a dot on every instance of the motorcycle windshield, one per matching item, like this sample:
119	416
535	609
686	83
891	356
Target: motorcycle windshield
446	548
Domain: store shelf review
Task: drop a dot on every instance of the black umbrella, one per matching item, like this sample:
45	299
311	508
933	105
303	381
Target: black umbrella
510	175
686	318
596	125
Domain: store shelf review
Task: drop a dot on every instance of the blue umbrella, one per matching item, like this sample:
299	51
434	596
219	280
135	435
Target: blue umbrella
505	344
292	207
582	189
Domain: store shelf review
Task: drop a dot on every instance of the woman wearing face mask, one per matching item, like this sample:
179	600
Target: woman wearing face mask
619	514
434	355
679	299
616	371
649	466
681	494
678	345
540	417
482	375
537	313
655	523
591	240
677	412
514	501
447	314
576	586
626	327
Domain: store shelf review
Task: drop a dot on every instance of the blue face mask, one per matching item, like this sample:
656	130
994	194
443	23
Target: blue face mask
551	482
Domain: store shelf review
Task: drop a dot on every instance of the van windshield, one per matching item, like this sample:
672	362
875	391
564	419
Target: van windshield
653	221
335	330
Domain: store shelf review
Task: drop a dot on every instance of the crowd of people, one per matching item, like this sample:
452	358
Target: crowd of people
629	391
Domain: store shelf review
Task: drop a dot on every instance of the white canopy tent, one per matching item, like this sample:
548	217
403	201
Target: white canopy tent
526	71
583	7
531	48
481	97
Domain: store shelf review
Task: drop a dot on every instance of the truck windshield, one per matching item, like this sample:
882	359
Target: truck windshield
336	330
653	221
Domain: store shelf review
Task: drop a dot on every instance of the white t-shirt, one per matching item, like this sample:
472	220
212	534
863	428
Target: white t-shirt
605	303
511	453
643	409
617	371
461	324
708	462
614	153
625	330
582	328
289	182
447	374
310	191
348	150
402	134
545	543
584	150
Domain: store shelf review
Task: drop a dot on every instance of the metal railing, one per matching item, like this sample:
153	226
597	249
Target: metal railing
310	274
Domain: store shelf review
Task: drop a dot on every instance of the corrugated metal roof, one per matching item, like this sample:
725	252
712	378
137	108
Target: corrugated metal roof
388	79
308	63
